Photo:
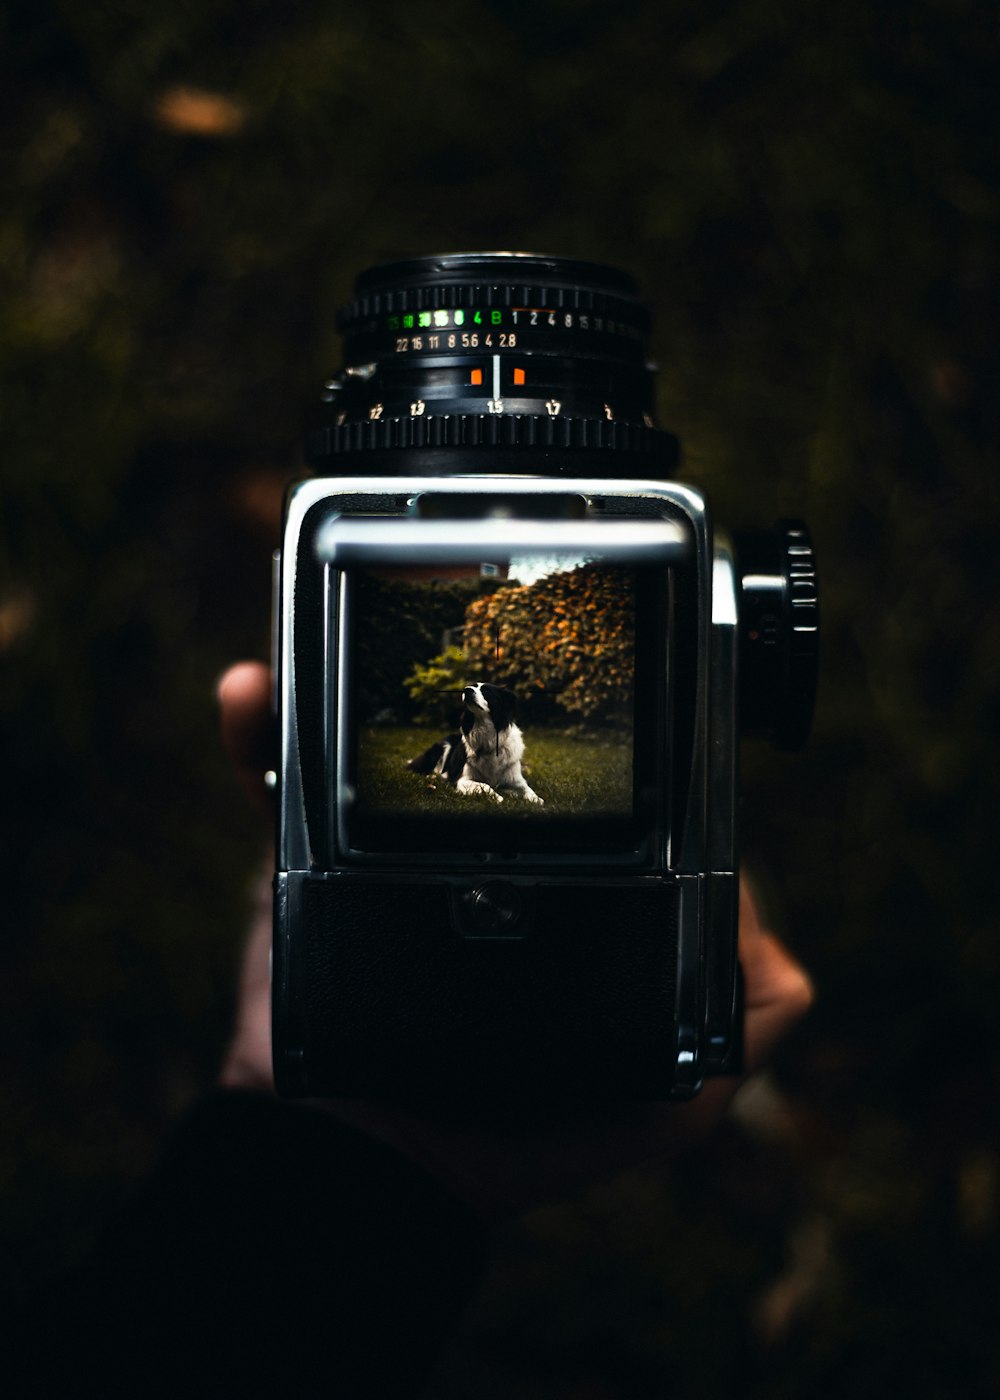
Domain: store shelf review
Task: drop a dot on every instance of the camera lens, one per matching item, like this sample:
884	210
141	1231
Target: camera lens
481	354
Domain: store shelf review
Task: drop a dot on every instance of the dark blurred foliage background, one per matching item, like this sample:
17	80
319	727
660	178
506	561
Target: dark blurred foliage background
808	194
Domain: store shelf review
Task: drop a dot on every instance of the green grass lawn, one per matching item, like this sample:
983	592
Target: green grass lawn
578	774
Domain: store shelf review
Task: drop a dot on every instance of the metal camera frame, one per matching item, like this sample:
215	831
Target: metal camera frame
369	520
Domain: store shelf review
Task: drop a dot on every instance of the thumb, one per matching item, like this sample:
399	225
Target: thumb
248	727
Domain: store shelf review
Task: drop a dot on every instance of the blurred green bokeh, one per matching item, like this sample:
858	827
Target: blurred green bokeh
809	197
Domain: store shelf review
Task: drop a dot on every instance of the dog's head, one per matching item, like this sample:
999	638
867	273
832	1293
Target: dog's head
492	700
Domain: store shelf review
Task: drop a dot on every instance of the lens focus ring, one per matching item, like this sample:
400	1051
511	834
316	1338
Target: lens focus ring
489	431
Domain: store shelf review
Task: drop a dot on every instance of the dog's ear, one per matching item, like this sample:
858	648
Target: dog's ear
506	704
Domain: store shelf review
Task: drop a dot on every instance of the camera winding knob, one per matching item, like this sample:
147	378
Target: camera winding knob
779	632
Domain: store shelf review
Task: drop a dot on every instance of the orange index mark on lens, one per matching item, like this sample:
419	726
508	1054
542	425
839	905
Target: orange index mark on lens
476	377
519	376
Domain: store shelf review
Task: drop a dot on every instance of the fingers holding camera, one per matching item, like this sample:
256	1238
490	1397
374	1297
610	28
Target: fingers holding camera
778	990
243	693
247	1062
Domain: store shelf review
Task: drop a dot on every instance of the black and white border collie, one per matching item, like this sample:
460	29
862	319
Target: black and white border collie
486	757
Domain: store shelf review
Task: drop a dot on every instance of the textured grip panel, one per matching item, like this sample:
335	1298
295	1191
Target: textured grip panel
399	1004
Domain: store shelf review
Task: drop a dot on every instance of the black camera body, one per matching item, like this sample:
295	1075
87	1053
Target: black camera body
513	663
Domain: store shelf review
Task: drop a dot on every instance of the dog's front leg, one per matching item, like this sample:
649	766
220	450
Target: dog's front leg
522	789
470	788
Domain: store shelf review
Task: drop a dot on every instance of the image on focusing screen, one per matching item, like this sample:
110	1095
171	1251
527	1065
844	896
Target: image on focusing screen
498	689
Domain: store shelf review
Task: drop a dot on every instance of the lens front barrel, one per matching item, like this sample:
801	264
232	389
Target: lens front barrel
509	352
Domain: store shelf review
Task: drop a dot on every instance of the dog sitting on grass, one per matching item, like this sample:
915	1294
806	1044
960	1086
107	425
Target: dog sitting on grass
485	758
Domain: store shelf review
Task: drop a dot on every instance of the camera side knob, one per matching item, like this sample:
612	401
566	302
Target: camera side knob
779	632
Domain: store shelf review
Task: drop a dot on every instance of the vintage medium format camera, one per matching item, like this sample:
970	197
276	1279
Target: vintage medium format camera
514	662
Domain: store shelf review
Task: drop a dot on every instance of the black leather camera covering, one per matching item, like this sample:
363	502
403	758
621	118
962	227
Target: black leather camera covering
388	997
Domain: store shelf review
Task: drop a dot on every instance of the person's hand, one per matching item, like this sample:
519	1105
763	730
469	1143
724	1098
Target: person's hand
503	1170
